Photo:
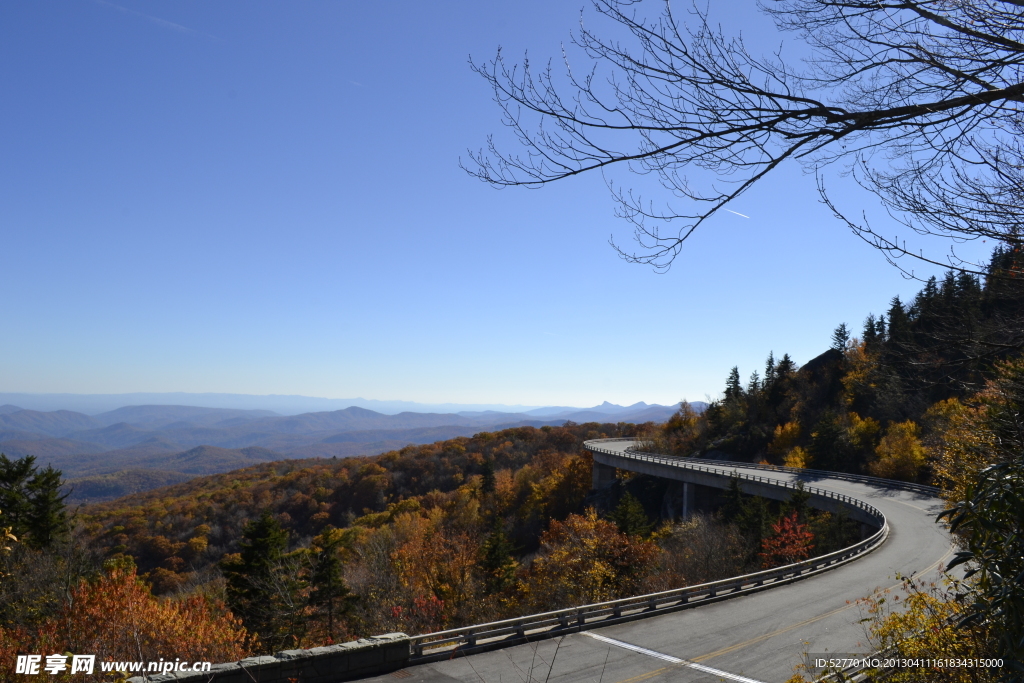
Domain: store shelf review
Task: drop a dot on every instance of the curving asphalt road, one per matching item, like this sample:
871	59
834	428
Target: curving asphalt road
755	638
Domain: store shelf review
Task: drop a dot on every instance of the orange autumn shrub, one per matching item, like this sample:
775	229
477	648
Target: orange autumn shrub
116	618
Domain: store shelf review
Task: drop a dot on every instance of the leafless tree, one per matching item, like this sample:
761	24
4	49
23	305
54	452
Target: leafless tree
701	549
918	100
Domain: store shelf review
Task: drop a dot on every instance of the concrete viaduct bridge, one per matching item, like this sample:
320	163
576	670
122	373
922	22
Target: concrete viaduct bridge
759	635
750	629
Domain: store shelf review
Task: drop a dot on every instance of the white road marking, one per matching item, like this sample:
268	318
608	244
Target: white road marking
670	658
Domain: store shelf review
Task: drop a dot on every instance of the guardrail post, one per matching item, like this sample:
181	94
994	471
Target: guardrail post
471	639
580	618
520	629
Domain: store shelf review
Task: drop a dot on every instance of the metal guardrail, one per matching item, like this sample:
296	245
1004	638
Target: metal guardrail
861	478
720	465
443	644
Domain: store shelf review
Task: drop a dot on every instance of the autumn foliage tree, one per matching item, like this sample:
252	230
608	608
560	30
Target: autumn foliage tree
586	559
789	542
919	620
116	618
900	454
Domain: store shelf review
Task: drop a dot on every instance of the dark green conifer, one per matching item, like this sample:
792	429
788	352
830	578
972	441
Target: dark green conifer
32	501
769	371
733	389
870	334
487	484
830	449
755	523
880	329
14	501
785	368
630	517
497	559
798	501
261	589
48	517
899	322
329	594
732	503
840	336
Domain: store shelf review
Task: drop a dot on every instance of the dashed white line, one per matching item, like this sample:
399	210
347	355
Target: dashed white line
670	658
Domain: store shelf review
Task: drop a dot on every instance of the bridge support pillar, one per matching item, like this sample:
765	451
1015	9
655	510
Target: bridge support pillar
680	500
604	476
688	494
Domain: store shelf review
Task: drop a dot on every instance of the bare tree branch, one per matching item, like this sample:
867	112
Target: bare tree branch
921	99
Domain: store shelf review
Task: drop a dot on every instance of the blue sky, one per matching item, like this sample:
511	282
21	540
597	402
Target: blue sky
266	198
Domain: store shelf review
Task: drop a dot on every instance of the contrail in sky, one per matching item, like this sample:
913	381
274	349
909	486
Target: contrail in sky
737	213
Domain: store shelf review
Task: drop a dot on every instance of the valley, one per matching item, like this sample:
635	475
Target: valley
136	448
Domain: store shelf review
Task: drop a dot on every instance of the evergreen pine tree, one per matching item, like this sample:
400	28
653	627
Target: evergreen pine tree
732	503
949	290
880	329
733	389
928	296
754	385
870	335
840	336
630	517
329	593
487	484
497	559
797	502
830	449
48	517
260	589
769	371
14	499
755	523
899	322
785	368
32	501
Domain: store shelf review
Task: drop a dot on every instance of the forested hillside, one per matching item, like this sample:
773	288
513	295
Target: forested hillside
875	402
428	537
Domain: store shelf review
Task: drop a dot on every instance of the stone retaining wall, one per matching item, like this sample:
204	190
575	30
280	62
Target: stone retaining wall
329	664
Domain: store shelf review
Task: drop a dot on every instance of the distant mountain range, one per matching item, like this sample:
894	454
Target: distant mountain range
92	404
173	442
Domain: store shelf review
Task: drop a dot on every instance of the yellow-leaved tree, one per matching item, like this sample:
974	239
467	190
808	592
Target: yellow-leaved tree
961	444
783	445
586	559
900	454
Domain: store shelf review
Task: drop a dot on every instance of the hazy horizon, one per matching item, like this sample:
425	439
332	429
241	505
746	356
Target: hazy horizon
92	404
